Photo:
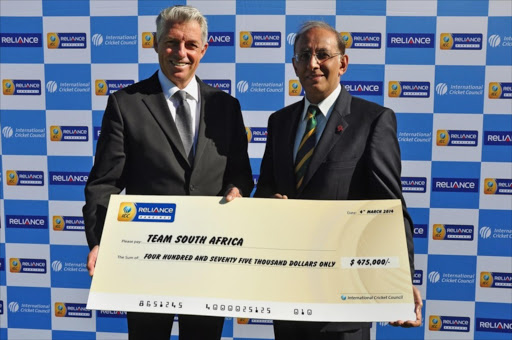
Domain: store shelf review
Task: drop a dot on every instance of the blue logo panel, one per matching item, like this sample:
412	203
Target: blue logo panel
411	40
256	134
147	212
449	323
67	266
459	89
29	307
15	87
23	132
111	321
67	40
67	177
261	7
420	218
365	81
260	86
452	279
260	39
499	40
221	84
453	8
492	321
356	7
26	221
68	86
221	39
495	233
114	39
414	184
455	185
497	140
363	40
415	136
21	40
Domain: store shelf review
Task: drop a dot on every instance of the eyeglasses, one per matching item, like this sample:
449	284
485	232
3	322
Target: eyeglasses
321	57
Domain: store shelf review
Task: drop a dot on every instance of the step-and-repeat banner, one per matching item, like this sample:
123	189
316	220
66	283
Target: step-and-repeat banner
444	66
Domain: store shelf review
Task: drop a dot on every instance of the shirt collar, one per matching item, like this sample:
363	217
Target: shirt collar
325	105
169	88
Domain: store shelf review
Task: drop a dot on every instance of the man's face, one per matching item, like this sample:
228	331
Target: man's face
180	49
319	79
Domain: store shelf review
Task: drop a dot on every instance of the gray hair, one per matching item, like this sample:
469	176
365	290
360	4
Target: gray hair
179	14
308	25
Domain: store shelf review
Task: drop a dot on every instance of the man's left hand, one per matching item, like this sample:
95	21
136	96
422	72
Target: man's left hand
418	303
232	193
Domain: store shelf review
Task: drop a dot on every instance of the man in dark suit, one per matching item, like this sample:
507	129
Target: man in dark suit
331	146
170	134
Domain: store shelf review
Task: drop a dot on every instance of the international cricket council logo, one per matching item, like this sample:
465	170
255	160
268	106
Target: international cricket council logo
438	232
127	212
58	223
443	138
14	265
490	186
434	323
394	89
245	39
486	279
55	133
148	39
446	41
60	309
12	177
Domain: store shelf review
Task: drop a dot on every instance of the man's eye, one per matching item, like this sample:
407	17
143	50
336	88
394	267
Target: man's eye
322	55
305	56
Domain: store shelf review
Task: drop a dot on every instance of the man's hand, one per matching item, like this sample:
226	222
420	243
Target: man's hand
418	303
232	193
280	196
91	259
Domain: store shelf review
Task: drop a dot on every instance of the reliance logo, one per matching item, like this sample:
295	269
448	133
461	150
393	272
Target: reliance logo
455	184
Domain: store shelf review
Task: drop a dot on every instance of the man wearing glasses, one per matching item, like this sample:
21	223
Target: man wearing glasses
331	146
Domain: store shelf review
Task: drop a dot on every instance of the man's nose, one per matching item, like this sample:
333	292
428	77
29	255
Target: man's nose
181	50
313	62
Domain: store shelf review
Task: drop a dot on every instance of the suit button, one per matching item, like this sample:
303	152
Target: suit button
192	187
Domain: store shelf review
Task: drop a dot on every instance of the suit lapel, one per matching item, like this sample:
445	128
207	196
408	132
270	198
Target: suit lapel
157	105
333	130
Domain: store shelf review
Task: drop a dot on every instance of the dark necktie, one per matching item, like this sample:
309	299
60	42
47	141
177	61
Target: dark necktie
184	124
307	146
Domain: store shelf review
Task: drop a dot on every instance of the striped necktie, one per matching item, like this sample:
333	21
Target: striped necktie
306	147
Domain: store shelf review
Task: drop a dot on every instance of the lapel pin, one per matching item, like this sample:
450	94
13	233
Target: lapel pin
339	128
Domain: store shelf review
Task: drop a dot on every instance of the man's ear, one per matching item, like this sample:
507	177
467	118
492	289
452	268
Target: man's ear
343	64
155	43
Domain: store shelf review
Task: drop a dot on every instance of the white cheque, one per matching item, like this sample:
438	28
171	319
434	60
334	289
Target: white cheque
254	258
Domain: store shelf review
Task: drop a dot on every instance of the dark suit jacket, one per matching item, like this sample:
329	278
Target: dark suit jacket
356	158
140	150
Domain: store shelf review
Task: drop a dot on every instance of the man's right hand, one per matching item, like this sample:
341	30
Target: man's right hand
280	196
91	259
